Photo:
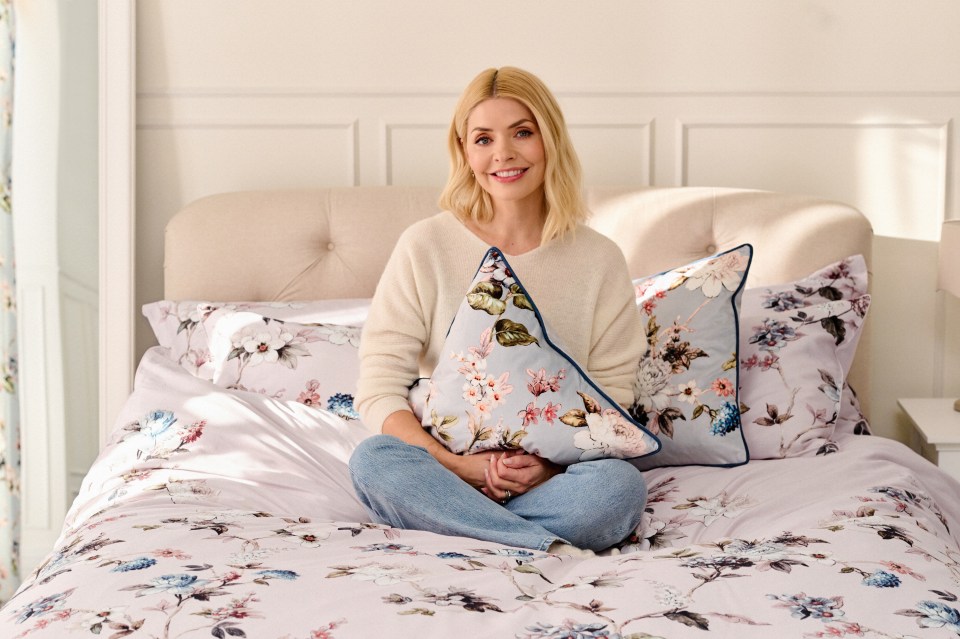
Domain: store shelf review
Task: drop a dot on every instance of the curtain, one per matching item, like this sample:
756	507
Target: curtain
9	405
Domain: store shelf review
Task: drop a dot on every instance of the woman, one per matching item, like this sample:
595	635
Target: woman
514	184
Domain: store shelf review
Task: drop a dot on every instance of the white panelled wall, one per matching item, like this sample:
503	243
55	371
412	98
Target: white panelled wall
853	101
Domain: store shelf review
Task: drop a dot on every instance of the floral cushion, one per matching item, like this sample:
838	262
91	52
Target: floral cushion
250	347
797	345
506	385
183	327
686	386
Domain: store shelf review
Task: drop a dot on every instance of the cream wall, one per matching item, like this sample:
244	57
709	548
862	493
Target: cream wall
849	100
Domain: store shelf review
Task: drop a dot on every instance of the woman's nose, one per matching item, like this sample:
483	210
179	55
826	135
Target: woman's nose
504	151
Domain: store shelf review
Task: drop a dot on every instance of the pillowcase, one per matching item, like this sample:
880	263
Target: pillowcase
686	390
797	345
256	346
183	327
314	364
506	385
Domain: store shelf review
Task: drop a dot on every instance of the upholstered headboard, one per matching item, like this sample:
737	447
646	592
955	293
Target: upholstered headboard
334	242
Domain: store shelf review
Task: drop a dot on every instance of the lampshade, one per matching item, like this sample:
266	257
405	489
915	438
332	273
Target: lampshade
949	273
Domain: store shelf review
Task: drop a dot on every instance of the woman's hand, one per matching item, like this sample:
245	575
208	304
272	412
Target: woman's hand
512	473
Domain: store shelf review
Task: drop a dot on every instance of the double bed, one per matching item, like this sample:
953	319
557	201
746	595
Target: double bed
222	504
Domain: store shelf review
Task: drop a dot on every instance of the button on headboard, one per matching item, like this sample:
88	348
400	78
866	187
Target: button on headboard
334	242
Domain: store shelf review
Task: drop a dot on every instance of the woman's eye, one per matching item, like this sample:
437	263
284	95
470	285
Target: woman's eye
524	133
482	140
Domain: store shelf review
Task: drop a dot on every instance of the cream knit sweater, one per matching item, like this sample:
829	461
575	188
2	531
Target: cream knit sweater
580	285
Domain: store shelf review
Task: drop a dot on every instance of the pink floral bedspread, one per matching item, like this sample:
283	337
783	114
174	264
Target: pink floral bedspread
226	514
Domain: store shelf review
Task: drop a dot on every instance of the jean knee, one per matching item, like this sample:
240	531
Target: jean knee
369	455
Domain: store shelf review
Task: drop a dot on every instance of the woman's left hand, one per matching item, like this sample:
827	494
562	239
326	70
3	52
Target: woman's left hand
512	473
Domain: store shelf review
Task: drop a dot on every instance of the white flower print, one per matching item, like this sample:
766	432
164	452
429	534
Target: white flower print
340	335
721	272
608	435
386	575
261	346
650	384
711	509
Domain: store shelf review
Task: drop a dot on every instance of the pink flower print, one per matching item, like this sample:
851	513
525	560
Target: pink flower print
484	409
554	382
472	393
497	388
194	431
531	414
310	397
550	412
538	385
750	362
649	306
722	386
770	361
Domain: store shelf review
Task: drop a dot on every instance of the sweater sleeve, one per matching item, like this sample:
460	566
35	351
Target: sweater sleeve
393	339
618	338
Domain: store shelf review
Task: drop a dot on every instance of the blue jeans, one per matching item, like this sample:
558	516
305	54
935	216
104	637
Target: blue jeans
592	505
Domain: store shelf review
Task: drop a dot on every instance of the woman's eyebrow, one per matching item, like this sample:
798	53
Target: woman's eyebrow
512	126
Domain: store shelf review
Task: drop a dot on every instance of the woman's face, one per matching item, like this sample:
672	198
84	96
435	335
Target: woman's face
504	147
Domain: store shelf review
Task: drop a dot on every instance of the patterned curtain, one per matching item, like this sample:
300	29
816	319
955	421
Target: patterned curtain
9	406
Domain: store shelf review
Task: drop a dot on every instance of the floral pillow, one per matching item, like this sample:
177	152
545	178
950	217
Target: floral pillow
184	328
507	386
314	364
686	386
797	345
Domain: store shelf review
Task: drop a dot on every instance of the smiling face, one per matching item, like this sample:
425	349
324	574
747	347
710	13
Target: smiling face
504	148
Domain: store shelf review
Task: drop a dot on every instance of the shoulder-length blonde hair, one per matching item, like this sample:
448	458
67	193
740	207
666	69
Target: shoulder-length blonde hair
562	186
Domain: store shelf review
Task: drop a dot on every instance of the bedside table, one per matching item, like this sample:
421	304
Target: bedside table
936	431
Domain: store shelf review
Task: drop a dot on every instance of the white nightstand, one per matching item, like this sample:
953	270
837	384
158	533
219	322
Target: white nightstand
936	431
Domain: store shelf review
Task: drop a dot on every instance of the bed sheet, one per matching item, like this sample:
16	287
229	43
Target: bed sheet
226	514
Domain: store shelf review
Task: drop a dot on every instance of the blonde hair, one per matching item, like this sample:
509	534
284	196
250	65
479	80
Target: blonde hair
562	184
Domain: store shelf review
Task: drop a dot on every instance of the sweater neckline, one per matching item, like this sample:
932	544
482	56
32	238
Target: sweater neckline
479	242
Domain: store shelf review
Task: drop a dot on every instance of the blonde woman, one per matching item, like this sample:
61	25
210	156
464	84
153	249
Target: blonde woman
515	183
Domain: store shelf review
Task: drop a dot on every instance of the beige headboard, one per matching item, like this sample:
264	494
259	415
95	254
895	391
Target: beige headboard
334	242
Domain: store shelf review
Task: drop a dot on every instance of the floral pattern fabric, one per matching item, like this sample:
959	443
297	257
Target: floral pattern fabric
213	512
686	388
506	385
797	345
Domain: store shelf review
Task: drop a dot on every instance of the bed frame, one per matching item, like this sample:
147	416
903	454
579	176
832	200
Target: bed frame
334	242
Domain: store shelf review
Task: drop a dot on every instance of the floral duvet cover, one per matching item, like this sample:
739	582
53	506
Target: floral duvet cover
223	513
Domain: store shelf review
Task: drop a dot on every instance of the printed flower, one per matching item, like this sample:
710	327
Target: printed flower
903	570
726	420
758	551
650	384
260	346
670	597
170	553
180	585
689	392
385	575
496	389
721	272
199	363
569	630
860	305
804	607
723	387
287	575
339	335
134	564
157	423
42	606
341	405
882	579
934	614
712	509
531	414
550	412
773	334
782	301
310	396
608	435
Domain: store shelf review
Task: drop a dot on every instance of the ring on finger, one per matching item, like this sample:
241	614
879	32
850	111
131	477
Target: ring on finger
506	497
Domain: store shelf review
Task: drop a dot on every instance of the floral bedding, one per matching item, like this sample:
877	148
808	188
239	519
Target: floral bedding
218	512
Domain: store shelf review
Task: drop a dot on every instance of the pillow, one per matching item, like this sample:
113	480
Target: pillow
797	345
183	328
506	385
686	386
314	364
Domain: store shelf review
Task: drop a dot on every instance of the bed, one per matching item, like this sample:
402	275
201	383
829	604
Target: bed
222	504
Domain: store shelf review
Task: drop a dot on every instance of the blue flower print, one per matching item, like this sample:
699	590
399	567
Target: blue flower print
157	422
288	575
135	564
782	301
42	606
452	555
180	585
803	607
938	615
773	335
341	405
882	579
569	630
726	420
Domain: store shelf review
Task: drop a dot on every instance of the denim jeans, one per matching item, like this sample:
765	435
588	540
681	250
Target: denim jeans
592	505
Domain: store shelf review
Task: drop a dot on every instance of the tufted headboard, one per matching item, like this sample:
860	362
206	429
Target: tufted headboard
334	242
